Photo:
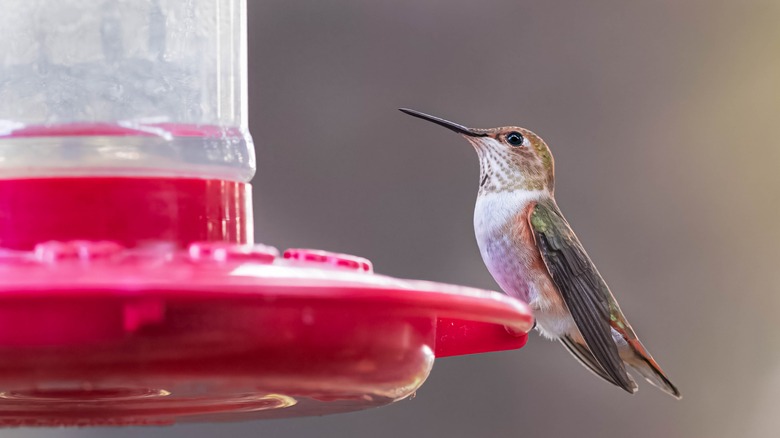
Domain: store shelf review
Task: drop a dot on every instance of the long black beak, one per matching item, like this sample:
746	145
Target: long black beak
460	129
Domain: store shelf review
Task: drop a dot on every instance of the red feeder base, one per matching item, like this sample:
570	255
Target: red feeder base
95	334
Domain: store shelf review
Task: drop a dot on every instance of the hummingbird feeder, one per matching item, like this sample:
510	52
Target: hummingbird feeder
131	291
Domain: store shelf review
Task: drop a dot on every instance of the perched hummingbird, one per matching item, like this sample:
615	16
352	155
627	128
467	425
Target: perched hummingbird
533	254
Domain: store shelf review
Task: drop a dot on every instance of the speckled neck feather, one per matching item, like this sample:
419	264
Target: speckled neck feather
503	170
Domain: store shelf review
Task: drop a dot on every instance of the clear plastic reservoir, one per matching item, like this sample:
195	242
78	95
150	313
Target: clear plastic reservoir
124	87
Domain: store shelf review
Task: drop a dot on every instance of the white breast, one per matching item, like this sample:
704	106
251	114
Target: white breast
493	210
509	262
503	257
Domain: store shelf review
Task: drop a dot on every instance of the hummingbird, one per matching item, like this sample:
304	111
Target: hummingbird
533	254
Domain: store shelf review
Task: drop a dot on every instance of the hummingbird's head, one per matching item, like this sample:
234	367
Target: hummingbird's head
510	158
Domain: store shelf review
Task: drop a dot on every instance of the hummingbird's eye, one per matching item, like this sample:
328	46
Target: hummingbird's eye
515	138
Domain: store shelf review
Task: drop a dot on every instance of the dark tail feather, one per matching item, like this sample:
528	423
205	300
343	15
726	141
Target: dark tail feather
585	357
649	369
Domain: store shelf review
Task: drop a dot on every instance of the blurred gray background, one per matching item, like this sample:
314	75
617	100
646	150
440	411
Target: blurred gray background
661	116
